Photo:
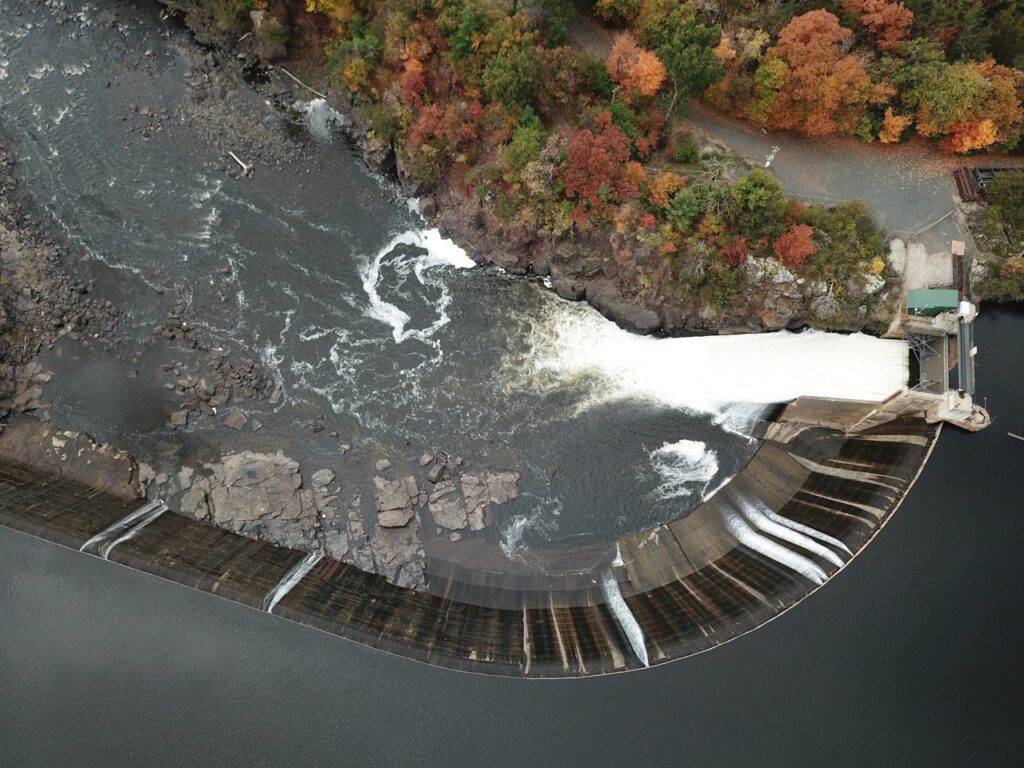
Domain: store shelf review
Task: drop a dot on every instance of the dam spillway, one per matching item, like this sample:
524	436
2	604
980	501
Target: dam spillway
825	478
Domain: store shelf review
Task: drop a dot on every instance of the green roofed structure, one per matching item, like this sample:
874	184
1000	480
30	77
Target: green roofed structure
931	302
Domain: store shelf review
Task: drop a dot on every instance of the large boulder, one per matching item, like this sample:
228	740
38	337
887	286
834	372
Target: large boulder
270	34
396	501
606	299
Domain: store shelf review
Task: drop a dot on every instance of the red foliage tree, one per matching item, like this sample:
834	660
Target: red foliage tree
597	167
413	83
794	246
887	21
736	252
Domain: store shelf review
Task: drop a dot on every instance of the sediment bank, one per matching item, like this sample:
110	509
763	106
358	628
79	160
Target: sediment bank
824	481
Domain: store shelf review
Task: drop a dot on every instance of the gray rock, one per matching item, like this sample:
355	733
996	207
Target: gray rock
395	518
435	473
235	420
396	501
323	477
428	207
447	506
382	465
179	418
257	494
426	458
607	301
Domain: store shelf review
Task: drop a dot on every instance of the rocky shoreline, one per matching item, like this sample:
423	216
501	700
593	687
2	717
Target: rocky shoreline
367	508
607	269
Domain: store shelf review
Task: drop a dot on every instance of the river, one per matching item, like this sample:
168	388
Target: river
383	327
906	658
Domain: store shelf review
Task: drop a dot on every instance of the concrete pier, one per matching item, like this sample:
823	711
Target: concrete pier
824	480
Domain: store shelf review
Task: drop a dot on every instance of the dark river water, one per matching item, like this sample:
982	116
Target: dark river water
909	657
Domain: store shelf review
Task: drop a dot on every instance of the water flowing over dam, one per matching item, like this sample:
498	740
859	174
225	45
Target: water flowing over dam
810	498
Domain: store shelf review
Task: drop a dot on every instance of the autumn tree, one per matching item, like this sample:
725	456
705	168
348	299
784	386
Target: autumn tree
887	21
340	12
621	10
893	126
662	187
597	167
1006	195
687	49
735	252
636	70
970	105
794	245
824	91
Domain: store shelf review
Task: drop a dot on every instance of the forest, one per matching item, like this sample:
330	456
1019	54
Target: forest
561	116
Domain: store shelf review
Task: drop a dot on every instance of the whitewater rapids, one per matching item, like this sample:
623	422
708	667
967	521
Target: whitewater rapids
573	345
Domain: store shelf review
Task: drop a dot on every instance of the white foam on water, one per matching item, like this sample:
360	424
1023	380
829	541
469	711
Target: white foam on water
573	345
296	574
542	518
41	71
319	117
683	467
440	252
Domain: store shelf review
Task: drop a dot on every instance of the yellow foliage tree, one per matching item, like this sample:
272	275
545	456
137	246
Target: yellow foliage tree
340	12
893	126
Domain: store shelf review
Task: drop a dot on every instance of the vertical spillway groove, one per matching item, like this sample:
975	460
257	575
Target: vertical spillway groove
129	525
289	580
623	616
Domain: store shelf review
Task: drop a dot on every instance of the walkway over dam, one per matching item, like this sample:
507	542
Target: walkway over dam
825	478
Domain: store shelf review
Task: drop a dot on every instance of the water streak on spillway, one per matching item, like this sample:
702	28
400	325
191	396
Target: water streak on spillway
623	616
124	529
290	579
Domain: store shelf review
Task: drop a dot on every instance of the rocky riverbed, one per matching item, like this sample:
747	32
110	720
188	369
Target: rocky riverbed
368	509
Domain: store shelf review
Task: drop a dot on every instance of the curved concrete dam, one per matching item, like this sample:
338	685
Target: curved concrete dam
825	478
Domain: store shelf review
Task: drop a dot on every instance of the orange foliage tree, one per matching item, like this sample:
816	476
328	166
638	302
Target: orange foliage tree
794	246
887	21
893	126
635	69
969	135
662	187
824	91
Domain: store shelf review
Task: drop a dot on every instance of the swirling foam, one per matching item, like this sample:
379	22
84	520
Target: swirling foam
683	467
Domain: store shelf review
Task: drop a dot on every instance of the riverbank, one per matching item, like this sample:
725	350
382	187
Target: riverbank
632	277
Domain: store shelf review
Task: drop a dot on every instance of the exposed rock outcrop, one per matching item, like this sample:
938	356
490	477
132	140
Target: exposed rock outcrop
70	455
